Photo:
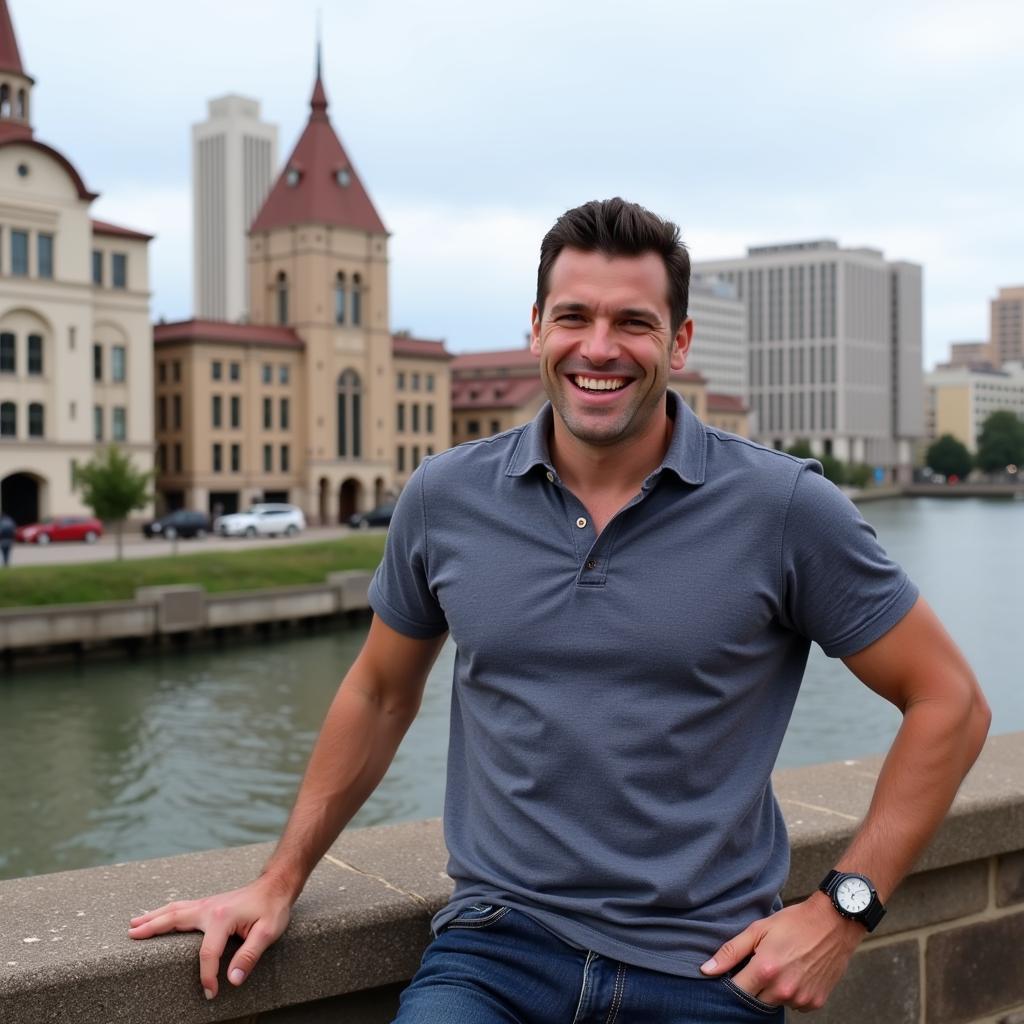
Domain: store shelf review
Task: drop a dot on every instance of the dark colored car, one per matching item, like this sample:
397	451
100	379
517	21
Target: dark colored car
379	516
181	523
87	528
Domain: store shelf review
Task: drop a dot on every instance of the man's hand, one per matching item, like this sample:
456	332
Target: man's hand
258	913
797	956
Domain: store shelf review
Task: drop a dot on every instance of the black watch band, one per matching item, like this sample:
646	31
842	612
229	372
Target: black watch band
870	915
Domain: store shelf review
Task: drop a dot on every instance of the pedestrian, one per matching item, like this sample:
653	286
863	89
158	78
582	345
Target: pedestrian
633	595
7	528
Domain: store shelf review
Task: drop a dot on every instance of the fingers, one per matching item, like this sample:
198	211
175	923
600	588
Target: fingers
259	939
210	953
175	917
737	949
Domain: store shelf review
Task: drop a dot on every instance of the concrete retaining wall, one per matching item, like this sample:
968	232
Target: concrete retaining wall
948	952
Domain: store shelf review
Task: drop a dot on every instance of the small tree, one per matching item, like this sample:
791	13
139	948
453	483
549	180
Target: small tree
112	487
949	457
1001	442
833	469
802	450
859	474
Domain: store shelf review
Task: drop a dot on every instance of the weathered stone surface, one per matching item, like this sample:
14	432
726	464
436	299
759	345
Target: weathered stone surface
882	986
975	970
936	896
1010	879
376	1007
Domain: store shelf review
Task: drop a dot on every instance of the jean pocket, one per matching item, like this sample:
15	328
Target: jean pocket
479	915
752	1001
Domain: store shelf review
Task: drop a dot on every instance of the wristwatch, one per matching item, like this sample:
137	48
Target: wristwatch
854	897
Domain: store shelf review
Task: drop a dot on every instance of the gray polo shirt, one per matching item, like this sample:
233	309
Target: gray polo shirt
619	700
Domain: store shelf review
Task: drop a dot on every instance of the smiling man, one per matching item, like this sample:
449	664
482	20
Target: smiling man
632	595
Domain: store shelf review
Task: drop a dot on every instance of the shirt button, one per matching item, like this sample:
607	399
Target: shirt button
550	476
591	564
581	522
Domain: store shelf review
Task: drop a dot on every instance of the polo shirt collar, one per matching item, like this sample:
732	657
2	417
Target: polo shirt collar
686	454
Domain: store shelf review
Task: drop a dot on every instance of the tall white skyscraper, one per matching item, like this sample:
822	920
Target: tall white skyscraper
234	162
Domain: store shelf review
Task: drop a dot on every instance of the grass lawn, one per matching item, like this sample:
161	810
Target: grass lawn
214	570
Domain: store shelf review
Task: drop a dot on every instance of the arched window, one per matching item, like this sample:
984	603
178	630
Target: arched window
5	100
35	420
282	297
350	405
22	108
339	298
357	299
8	420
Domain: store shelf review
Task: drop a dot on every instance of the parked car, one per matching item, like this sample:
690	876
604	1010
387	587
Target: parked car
180	523
379	516
266	520
87	528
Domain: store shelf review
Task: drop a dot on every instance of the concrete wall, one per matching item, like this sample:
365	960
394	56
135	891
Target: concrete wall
948	951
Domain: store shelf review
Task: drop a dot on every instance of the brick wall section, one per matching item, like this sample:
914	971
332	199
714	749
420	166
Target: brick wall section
948	951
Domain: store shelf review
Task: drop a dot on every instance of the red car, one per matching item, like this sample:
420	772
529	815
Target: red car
85	528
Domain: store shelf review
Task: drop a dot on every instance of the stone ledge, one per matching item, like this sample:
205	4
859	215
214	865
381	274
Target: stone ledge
363	919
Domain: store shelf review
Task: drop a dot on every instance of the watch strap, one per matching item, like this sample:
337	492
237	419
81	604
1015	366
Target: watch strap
869	916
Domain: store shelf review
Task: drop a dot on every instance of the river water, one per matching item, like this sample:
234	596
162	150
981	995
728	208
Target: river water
118	760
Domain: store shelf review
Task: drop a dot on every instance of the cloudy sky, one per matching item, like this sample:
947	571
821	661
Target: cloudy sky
898	125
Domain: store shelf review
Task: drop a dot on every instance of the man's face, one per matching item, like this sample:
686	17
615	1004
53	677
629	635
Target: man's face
605	344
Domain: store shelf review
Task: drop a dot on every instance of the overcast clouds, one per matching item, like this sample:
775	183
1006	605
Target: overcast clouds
473	125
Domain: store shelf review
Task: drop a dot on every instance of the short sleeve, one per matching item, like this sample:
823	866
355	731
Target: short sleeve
839	587
400	591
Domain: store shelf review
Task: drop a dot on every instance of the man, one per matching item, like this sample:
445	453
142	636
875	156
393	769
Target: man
632	595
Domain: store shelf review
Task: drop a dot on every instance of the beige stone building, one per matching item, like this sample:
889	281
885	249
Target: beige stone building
1006	333
958	400
314	402
75	339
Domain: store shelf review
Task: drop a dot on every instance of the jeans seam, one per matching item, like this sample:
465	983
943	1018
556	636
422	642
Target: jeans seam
481	922
583	988
620	984
750	1000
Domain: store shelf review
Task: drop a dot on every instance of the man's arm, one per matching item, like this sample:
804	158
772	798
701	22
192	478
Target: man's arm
375	705
800	953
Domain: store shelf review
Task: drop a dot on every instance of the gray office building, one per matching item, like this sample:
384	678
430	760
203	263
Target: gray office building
834	349
719	350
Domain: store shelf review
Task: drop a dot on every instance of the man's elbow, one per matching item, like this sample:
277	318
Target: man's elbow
979	720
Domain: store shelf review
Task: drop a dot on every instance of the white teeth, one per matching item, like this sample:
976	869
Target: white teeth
597	384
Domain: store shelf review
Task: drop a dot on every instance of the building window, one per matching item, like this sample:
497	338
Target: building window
97	362
284	411
44	255
216	410
415	382
236	411
35	355
350	394
415	455
400	452
97	267
430	382
267	373
235	371
178	462
217	459
401	416
8	419
161	458
19	253
8	359
97	422
117	364
236	458
118	423
473	428
430	419
401	382
339	298
22	108
282	298
119	270
415	420
268	413
176	409
268	458
176	371
283	374
357	300
430	449
216	370
161	413
284	458
161	372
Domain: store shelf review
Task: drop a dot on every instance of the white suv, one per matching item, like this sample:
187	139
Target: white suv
262	521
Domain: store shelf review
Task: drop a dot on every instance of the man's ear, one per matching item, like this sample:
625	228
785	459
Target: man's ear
535	330
681	344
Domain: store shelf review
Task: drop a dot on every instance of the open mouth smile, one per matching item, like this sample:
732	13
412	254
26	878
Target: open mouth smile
585	383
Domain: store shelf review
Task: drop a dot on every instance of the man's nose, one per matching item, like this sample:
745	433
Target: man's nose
600	345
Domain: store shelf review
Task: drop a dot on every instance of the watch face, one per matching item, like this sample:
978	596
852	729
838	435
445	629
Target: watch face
853	894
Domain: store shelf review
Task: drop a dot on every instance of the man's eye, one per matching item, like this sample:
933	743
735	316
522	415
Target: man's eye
570	316
637	323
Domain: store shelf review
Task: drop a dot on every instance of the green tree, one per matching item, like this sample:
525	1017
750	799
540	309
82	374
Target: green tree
949	457
1001	442
112	487
833	469
802	450
858	474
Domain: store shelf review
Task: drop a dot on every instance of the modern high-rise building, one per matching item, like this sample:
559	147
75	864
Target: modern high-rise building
76	346
834	349
719	349
1006	337
234	163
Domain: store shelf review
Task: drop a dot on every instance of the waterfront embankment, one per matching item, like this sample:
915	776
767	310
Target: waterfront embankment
947	952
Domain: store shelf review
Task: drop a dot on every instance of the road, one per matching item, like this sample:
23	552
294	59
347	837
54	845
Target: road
136	546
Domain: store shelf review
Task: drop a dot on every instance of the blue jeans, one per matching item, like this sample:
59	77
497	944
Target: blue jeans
494	965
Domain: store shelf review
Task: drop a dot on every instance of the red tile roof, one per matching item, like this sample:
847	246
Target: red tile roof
223	332
506	393
726	403
318	197
505	358
102	227
403	345
10	57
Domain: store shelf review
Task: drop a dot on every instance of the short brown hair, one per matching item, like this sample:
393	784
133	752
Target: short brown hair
619	228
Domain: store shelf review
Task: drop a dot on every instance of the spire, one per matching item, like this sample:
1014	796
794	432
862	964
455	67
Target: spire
10	58
318	103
